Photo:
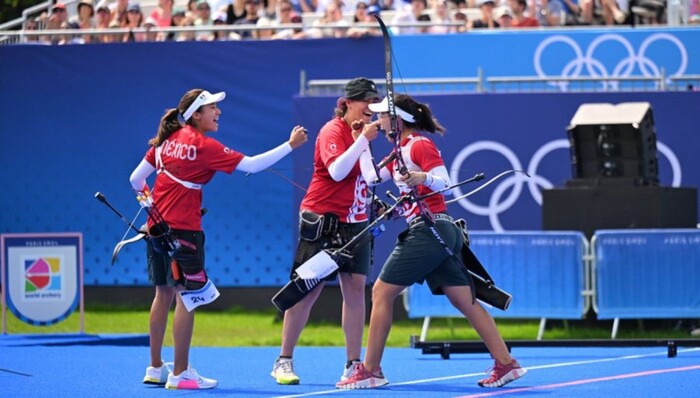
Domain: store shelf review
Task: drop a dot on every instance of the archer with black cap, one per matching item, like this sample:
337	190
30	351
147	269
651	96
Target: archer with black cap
334	210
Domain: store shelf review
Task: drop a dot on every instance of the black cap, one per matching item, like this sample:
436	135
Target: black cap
360	89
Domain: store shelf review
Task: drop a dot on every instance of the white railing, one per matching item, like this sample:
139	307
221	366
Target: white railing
29	36
480	84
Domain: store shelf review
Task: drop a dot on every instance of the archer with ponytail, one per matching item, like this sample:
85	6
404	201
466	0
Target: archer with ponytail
418	256
186	159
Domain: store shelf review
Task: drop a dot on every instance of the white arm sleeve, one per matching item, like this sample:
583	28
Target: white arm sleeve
140	173
369	172
264	160
342	165
437	179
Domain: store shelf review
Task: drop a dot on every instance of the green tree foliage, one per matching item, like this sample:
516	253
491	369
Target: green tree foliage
11	9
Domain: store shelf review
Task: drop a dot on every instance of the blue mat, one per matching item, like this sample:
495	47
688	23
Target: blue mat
33	367
74	339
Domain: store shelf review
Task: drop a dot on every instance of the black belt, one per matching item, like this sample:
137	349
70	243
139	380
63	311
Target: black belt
436	217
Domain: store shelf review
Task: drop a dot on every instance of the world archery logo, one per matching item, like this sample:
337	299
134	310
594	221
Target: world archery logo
42	278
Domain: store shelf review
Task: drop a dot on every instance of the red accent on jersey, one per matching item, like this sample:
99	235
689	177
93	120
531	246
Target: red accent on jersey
420	154
346	198
190	156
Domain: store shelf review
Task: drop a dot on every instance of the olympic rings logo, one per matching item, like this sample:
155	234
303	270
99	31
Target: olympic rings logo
596	68
497	204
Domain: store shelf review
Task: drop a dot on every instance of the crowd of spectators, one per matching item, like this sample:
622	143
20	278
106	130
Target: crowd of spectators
286	19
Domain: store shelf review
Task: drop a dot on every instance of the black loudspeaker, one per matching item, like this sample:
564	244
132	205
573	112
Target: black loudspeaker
588	209
613	145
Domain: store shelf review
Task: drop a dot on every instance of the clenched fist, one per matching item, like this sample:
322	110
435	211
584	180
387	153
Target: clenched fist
298	137
369	130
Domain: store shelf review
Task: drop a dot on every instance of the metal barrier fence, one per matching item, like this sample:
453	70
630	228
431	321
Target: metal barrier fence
646	274
622	274
547	273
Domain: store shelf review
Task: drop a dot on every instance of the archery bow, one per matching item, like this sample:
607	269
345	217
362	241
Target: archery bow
395	132
484	185
139	234
477	177
279	174
486	286
124	242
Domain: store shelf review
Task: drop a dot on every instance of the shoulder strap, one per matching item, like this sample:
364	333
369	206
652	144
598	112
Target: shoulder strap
161	169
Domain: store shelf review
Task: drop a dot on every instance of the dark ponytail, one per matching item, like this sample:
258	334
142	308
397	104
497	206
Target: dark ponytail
421	113
170	122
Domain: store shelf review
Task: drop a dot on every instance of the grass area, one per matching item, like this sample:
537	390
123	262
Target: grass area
236	328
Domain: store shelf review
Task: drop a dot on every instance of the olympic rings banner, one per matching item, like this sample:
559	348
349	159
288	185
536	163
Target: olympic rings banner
553	54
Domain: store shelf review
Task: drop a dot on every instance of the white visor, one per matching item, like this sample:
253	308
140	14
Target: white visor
205	98
383	106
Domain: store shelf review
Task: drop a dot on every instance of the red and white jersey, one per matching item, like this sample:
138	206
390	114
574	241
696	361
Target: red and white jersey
420	154
193	157
347	198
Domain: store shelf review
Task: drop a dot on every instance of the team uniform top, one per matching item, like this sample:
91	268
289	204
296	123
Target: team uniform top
420	154
347	198
192	157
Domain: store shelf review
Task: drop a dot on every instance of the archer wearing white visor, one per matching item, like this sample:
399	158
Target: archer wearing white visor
424	251
186	159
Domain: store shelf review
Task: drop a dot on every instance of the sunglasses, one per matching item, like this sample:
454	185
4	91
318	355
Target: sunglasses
285	9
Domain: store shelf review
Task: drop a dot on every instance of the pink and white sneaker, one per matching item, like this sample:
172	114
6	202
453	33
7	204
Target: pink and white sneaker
362	378
503	374
189	380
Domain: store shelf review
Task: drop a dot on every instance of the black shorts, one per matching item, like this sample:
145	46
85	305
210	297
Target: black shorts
419	257
359	264
160	271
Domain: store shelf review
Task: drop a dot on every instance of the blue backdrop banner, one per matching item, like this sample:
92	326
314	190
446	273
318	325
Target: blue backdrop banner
492	133
76	119
546	53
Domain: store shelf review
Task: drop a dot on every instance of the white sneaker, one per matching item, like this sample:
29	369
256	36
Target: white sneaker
350	369
189	380
157	375
283	372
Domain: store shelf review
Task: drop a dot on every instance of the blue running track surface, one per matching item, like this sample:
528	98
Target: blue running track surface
113	366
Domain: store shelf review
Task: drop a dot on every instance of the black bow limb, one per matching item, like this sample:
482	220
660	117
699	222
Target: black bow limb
477	177
484	185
